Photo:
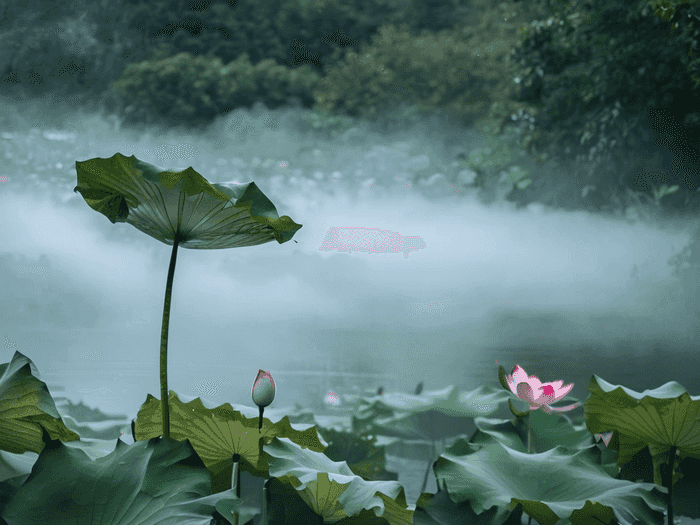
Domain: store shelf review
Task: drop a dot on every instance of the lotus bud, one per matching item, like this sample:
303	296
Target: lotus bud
263	392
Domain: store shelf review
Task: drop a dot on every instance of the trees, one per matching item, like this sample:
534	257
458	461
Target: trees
608	81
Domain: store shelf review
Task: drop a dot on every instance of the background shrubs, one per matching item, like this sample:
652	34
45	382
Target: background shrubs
193	90
47	49
604	80
429	71
461	70
269	29
608	91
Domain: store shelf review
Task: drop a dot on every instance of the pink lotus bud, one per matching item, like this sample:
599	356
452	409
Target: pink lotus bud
263	393
263	389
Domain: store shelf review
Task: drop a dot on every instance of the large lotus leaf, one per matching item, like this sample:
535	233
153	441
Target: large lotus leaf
220	432
331	489
434	414
551	431
661	418
363	454
27	408
94	429
164	201
550	486
557	428
422	426
547	431
296	414
450	401
362	421
439	509
146	483
334	422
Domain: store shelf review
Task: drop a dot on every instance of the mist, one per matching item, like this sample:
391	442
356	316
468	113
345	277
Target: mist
564	294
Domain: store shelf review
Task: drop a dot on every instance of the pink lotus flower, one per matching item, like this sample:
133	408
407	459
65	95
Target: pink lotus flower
531	390
537	394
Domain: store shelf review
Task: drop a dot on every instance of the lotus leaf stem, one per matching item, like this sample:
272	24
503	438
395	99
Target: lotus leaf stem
236	483
164	341
667	471
430	464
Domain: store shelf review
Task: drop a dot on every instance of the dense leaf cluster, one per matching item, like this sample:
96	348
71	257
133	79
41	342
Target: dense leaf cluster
47	48
459	69
606	78
449	70
192	90
290	32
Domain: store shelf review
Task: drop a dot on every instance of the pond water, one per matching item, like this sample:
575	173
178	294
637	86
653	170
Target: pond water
563	294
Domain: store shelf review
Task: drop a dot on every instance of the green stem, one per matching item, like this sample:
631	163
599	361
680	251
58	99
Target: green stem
430	464
266	496
668	482
236	483
164	342
529	434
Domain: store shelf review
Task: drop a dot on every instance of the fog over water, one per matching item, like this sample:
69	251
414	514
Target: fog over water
563	294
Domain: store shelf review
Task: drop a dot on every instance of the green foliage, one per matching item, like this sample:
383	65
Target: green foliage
457	70
194	90
222	29
179	87
666	9
503	166
268	29
685	17
46	48
595	84
359	451
308	26
334	125
264	29
57	52
464	71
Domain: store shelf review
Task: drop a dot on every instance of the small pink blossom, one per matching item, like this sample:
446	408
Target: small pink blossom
332	399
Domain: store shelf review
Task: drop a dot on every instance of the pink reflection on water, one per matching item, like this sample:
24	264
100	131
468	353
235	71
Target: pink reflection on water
332	399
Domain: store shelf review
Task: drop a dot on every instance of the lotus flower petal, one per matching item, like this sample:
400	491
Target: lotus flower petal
537	394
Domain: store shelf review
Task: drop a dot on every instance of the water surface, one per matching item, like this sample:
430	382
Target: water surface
563	294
